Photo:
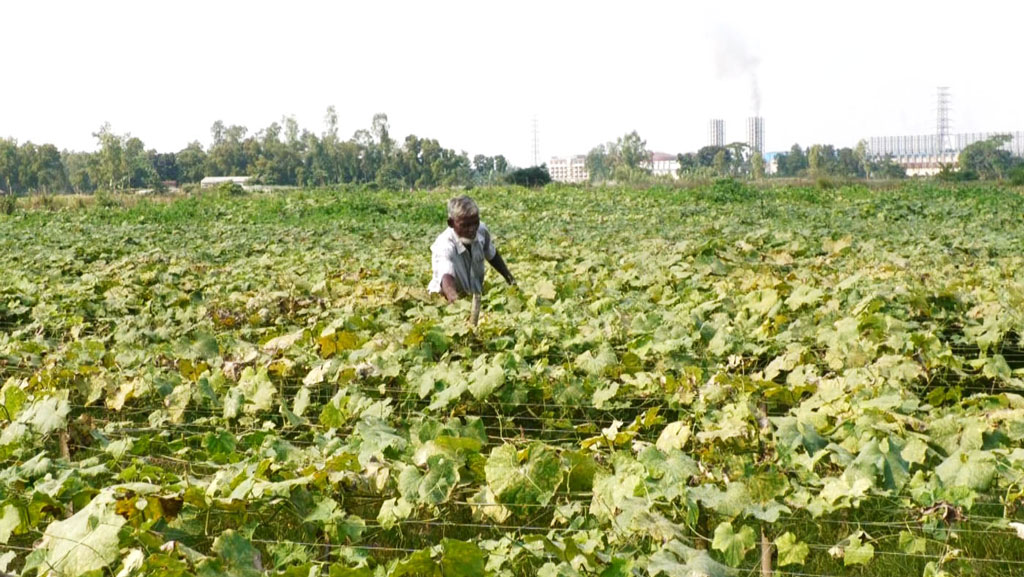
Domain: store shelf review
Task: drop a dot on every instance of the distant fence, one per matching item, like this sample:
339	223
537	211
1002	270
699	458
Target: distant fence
929	145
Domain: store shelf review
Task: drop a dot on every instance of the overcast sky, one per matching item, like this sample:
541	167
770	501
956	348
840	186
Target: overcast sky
474	75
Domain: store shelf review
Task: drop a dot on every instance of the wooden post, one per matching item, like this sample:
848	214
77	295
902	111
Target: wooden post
766	555
65	450
475	317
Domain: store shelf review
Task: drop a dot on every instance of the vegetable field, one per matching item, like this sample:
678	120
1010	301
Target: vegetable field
684	383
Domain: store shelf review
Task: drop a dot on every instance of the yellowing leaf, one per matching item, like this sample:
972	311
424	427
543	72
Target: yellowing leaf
674	436
545	289
791	551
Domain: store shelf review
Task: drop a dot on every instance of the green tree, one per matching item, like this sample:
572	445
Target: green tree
987	158
721	162
111	169
887	168
77	167
500	164
706	155
9	164
633	154
191	162
847	163
687	163
861	155
141	172
165	164
227	155
757	165
49	169
598	164
533	177
792	163
814	161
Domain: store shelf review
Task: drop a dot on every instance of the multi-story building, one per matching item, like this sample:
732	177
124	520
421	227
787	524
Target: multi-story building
755	133
573	169
716	132
663	163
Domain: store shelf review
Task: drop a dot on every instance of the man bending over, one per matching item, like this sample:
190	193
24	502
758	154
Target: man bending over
459	252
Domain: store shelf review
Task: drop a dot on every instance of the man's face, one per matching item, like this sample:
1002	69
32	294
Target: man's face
465	227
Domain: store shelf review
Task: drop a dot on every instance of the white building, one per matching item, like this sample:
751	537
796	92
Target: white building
215	180
572	169
663	163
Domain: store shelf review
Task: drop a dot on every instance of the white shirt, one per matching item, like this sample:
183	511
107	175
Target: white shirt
465	264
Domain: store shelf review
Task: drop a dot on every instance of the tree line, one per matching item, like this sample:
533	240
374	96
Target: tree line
627	159
280	154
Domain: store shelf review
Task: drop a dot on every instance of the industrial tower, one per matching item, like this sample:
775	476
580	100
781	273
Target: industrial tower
942	140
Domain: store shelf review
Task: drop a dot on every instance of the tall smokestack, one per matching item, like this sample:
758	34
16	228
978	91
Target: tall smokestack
755	133
716	132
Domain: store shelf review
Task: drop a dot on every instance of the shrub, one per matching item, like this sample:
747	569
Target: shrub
1017	175
532	177
8	203
105	199
729	190
230	189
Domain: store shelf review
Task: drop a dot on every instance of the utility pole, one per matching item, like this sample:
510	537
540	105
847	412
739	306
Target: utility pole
536	143
942	121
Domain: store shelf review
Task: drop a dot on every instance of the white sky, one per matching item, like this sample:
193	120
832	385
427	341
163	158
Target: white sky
474	74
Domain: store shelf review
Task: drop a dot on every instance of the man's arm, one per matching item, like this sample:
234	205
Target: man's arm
499	265
448	288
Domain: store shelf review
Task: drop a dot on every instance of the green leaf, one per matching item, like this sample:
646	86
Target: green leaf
529	476
619	567
912	544
5	560
219	444
442	476
12	399
915	451
803	295
486	379
240	558
206	346
86	541
972	469
47	415
284	341
857	551
678	560
257	390
341	570
392	511
596	364
10	520
563	569
791	551
418	564
325	511
433	487
461	559
733	545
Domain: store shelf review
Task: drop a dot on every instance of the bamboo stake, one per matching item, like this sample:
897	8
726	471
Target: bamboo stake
766	555
475	316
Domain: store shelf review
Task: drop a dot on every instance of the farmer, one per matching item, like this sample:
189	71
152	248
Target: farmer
458	253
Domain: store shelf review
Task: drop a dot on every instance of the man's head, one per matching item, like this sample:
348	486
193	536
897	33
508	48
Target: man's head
464	218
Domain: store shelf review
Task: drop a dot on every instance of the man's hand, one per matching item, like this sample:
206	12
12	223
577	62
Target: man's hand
499	265
448	288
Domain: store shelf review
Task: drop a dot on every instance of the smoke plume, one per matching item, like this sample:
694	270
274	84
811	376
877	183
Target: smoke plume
733	59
